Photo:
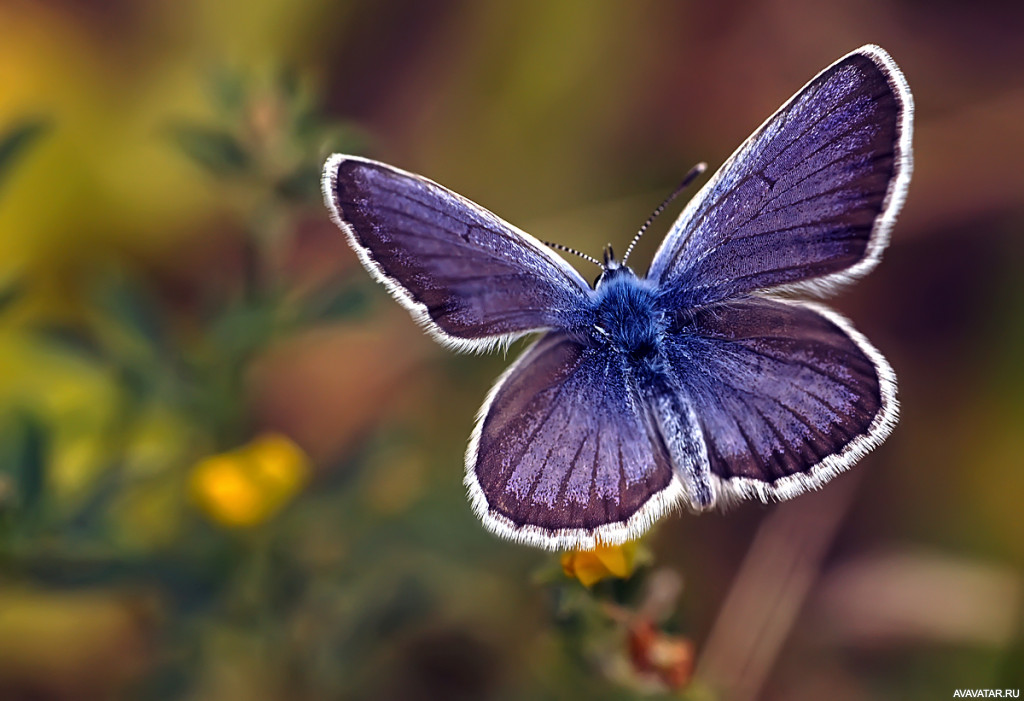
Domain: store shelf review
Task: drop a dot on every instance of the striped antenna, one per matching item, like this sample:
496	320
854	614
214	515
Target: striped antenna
560	247
690	177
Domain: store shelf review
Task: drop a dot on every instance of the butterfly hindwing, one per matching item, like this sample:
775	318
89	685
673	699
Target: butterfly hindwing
808	200
470	277
788	393
561	455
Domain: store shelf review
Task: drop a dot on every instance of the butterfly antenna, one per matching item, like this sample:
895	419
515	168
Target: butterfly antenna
690	177
560	247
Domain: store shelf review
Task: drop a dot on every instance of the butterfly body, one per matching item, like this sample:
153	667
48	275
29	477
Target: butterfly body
632	324
696	384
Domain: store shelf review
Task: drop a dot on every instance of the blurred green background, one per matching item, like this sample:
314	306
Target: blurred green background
230	466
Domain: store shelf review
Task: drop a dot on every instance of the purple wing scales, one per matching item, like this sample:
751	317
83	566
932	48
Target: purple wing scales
808	200
788	394
561	456
470	277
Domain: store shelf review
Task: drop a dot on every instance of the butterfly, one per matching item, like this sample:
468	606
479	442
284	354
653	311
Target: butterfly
701	383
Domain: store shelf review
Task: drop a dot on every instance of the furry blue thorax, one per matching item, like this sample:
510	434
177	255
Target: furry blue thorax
627	315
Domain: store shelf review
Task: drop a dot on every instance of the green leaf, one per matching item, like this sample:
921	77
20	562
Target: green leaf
302	185
16	140
350	302
71	340
11	293
130	327
23	451
32	449
243	329
131	307
217	150
289	82
228	91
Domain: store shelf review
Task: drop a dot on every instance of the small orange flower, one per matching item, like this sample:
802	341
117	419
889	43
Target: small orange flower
246	486
591	566
658	655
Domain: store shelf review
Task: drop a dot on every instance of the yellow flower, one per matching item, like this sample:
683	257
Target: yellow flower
591	566
246	486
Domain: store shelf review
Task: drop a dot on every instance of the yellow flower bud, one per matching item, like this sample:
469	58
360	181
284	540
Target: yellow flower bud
591	566
246	486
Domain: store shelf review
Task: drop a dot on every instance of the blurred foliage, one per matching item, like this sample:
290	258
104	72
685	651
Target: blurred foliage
230	467
16	140
180	377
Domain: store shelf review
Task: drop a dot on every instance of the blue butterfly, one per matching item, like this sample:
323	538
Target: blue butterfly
701	383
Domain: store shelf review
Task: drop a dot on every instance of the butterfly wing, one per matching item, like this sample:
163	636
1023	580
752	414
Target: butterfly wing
808	200
788	393
472	279
560	456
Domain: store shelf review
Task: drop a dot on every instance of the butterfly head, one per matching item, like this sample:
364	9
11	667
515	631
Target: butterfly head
611	268
609	259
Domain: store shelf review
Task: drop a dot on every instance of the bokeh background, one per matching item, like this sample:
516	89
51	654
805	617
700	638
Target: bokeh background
230	465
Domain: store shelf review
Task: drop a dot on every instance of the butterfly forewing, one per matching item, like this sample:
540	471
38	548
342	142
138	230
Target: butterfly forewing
808	200
561	456
472	278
